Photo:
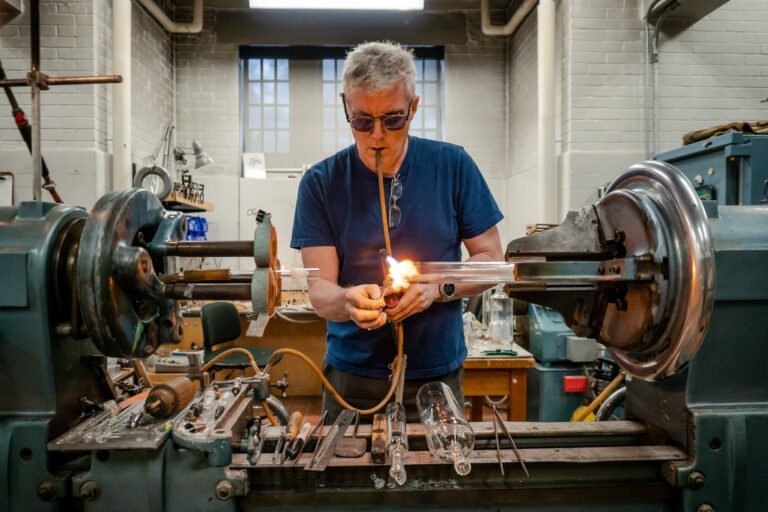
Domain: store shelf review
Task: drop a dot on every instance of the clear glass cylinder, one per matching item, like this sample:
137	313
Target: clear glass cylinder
501	324
449	436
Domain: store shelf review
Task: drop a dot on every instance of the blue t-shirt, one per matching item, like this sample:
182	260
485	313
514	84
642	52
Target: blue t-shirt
444	200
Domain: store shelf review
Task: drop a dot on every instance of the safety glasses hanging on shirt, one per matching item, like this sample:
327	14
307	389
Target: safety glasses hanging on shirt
390	122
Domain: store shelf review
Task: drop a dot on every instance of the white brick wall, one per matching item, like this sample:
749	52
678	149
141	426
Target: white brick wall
76	120
152	93
715	71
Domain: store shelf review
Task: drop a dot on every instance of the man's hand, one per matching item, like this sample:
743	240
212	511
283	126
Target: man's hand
416	299
365	306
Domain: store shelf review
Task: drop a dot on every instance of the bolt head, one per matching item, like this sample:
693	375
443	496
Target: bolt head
46	491
225	490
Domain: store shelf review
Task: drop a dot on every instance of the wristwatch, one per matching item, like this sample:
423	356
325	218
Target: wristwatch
447	292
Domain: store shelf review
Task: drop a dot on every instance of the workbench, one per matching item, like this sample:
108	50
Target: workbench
498	376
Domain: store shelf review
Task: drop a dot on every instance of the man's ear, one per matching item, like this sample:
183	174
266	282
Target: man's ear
414	105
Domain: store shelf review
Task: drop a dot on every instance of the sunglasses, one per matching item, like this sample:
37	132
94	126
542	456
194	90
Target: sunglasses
390	122
396	192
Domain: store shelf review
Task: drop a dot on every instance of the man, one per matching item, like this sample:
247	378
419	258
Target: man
437	199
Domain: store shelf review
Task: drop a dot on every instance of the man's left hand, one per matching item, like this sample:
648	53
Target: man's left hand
416	299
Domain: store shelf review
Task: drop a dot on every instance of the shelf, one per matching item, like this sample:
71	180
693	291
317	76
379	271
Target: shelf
178	203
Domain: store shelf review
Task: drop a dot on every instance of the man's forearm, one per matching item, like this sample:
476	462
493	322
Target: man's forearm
328	300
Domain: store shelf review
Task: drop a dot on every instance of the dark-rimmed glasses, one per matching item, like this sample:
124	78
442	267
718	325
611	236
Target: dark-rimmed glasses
364	123
395	193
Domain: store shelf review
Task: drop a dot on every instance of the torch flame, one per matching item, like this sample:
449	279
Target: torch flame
400	273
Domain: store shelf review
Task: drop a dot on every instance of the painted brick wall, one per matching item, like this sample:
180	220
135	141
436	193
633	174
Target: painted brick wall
152	94
712	72
76	120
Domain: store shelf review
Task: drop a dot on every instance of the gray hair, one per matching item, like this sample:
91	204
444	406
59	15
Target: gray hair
379	65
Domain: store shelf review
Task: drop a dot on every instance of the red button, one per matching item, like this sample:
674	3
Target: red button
575	383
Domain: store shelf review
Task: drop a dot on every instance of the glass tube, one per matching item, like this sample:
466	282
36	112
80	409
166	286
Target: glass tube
449	436
397	448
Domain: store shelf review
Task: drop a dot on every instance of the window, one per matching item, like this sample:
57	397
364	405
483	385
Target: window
291	109
267	96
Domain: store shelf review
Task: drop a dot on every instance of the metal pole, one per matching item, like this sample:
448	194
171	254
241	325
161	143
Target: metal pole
197	249
37	157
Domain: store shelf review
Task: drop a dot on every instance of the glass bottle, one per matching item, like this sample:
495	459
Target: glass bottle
501	321
397	448
449	436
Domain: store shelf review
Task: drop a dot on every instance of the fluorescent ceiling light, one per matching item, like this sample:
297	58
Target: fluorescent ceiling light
398	5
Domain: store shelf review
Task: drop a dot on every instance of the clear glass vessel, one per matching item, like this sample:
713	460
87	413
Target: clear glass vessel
449	436
397	448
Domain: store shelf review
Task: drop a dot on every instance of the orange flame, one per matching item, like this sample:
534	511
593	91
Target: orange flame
400	273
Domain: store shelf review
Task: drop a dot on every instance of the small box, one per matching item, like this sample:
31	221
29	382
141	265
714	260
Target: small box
575	383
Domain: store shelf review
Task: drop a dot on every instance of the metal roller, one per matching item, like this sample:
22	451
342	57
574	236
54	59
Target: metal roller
121	298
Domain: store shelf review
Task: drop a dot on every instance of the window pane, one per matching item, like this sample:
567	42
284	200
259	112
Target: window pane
430	135
254	93
269	141
269	69
329	93
253	142
341	141
269	93
430	93
254	117
282	141
254	69
430	70
282	117
282	69
430	118
419	63
283	97
339	69
269	117
328	69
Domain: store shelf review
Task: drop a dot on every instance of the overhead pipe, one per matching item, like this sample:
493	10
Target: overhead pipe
547	177
173	27
122	175
504	30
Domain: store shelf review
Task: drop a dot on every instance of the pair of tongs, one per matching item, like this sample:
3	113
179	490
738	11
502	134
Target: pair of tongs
498	423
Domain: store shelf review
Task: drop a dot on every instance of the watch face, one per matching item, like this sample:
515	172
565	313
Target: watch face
449	289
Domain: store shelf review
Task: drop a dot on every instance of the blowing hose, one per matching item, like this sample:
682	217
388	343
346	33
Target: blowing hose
399	362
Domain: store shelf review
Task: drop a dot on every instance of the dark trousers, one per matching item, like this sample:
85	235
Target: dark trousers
365	392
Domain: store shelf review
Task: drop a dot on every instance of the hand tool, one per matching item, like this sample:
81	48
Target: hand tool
514	446
292	430
309	437
351	447
379	438
324	450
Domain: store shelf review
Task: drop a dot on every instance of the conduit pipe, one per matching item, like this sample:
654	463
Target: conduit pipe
547	177
548	192
176	28
121	102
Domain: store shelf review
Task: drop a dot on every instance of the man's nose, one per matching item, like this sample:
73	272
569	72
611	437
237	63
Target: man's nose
378	129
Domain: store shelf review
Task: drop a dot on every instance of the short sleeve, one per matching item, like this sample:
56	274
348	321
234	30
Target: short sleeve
476	208
311	224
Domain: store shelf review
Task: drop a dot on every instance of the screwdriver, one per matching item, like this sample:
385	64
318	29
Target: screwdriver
290	433
298	442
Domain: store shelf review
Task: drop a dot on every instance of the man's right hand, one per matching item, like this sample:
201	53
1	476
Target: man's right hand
365	306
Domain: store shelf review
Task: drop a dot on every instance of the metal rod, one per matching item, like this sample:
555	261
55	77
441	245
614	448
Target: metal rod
196	249
65	80
37	157
208	291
